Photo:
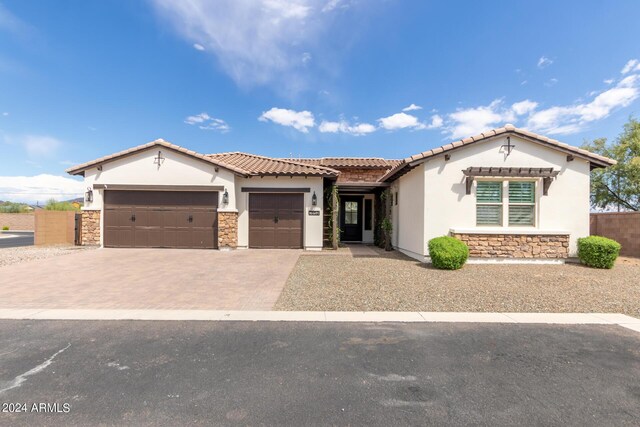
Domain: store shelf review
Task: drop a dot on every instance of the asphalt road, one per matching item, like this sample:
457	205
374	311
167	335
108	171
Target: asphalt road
22	238
249	373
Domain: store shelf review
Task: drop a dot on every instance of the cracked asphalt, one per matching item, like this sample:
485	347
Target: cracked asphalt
296	373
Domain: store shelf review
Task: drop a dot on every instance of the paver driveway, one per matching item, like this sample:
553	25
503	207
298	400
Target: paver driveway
149	279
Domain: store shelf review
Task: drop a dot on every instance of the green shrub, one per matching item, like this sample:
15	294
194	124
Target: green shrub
5	228
598	252
448	253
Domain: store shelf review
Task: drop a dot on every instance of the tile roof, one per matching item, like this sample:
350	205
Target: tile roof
240	163
79	169
595	159
354	162
260	165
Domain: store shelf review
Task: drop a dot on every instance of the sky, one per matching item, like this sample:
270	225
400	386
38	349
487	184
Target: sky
301	78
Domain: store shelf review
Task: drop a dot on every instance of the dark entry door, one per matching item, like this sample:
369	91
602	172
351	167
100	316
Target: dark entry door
161	219
276	220
351	219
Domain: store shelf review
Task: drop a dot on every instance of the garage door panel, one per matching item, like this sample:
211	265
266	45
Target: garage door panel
162	219
276	220
117	217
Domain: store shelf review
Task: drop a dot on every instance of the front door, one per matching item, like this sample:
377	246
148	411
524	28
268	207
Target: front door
351	219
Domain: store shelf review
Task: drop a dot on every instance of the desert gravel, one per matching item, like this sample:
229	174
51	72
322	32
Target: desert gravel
393	282
10	256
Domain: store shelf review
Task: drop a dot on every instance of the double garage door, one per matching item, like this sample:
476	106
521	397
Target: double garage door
276	220
189	219
161	219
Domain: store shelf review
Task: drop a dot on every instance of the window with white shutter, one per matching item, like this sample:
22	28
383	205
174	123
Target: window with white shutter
522	202
489	203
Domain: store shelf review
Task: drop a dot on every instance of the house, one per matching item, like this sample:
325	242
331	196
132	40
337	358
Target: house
508	193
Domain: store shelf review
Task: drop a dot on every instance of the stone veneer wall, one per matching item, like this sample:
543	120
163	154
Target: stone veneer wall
360	174
227	230
516	245
90	234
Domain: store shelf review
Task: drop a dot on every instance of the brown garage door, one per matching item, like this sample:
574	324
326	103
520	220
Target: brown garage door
160	219
275	220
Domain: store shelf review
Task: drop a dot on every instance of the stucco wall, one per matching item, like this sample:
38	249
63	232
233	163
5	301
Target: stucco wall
176	169
408	213
447	207
312	224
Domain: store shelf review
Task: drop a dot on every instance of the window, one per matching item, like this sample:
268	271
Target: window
351	213
489	203
519	203
396	198
368	214
522	202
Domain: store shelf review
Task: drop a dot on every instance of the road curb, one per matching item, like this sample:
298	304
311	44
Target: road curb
325	316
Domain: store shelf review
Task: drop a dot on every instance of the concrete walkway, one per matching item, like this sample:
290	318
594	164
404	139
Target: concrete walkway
167	279
326	316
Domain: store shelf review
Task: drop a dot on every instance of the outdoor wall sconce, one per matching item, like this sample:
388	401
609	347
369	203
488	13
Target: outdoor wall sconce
225	197
314	199
88	196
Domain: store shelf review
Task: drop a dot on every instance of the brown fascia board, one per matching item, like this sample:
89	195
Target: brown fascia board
80	169
595	160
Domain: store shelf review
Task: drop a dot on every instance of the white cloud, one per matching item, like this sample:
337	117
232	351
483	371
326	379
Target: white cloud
198	46
631	65
412	107
609	81
400	121
39	188
471	121
551	82
40	145
206	122
198	118
344	127
524	107
299	120
436	122
332	4
306	57
255	41
5	114
544	62
558	120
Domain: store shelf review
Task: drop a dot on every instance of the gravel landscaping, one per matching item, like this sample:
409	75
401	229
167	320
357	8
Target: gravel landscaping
10	256
394	282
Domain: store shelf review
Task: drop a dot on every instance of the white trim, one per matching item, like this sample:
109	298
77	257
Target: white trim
508	230
227	210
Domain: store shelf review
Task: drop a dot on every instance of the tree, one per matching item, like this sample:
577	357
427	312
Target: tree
53	205
9	207
618	186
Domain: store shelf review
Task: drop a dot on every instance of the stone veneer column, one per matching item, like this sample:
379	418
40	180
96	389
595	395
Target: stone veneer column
227	230
555	246
90	232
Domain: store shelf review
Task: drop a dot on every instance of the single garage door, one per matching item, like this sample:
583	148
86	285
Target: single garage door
275	220
160	219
